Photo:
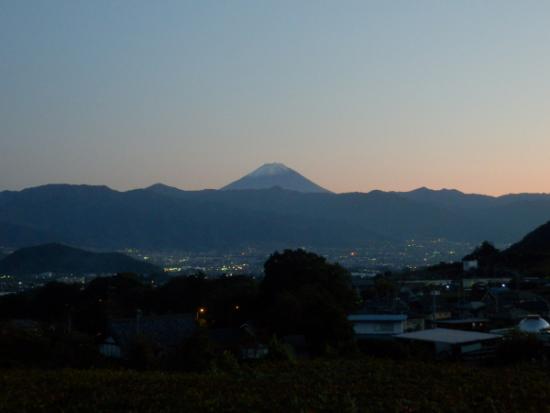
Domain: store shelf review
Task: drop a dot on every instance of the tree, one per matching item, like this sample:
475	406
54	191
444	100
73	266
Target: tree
485	254
181	294
54	301
196	353
302	293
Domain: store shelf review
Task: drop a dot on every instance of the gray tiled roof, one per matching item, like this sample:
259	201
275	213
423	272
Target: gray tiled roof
377	317
165	331
443	335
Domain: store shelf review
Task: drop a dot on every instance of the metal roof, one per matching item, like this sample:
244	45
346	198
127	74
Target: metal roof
462	320
166	331
377	317
533	324
444	335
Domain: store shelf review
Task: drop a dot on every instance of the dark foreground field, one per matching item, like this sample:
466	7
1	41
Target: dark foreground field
317	386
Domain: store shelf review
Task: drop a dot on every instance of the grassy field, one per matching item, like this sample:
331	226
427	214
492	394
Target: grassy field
317	386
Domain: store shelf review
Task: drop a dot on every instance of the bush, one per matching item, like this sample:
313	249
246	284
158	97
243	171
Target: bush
142	354
279	351
226	362
195	354
520	347
22	348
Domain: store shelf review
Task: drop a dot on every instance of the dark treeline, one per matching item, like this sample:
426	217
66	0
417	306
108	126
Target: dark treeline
302	301
300	294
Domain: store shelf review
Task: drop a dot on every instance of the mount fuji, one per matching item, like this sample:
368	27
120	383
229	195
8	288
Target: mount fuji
272	175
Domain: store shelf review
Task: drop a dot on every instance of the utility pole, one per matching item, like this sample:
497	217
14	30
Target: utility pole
434	294
138	321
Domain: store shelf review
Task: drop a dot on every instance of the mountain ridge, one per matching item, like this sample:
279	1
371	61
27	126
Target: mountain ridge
164	217
159	186
63	259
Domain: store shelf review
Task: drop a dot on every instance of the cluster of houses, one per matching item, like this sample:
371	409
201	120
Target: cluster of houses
167	332
452	321
449	319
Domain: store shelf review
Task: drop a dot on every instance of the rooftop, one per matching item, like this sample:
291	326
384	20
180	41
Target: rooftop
444	335
377	317
462	320
167	330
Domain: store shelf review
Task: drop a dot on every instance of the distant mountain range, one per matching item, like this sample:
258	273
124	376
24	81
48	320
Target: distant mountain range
62	259
163	217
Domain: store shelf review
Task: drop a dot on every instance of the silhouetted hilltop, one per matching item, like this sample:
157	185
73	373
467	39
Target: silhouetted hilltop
532	253
536	242
61	259
449	198
20	235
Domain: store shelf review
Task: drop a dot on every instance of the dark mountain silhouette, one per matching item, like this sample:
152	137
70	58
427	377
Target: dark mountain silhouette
99	217
14	235
62	259
163	217
532	254
449	198
536	242
275	175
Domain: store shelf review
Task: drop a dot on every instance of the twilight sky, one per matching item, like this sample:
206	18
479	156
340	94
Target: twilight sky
356	95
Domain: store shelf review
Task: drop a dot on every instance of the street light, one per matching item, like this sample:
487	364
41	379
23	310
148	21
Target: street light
201	311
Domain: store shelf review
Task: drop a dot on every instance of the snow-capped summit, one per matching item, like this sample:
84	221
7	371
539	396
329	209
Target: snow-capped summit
272	175
274	168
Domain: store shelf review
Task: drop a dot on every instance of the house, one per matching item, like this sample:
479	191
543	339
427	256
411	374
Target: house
431	307
469	265
447	343
394	305
474	308
415	322
467	324
367	326
164	332
242	341
513	305
110	348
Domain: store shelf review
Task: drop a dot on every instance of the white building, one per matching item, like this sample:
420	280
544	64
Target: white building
470	265
533	324
453	343
373	325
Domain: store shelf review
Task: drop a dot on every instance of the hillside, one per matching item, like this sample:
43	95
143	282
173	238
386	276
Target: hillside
103	218
20	235
162	217
536	242
532	253
62	259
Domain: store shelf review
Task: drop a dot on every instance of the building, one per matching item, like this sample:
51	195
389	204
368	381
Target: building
534	324
513	305
469	265
448	343
466	324
242	341
368	326
164	332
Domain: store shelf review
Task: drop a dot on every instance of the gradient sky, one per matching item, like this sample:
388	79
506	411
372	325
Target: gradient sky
356	95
